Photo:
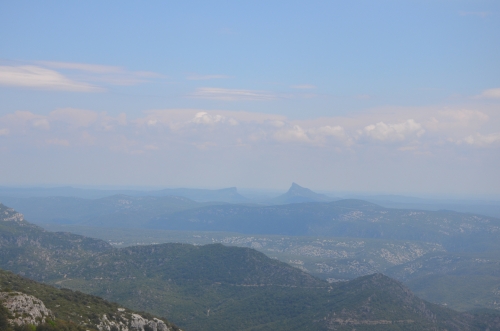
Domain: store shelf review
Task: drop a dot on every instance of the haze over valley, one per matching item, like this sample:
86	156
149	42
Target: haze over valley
250	165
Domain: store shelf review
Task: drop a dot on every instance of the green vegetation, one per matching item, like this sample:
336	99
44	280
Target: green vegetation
57	325
73	310
459	280
213	287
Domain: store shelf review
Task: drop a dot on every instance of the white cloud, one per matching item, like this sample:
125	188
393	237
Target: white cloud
336	131
101	73
41	123
293	134
456	122
313	135
493	93
223	94
205	118
167	128
481	140
95	68
38	77
394	132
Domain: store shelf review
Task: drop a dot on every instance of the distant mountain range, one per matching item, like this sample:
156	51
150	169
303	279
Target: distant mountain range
295	194
341	218
230	194
219	288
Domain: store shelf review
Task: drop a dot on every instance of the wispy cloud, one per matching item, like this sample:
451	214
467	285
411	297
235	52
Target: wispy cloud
480	140
206	77
394	132
493	93
224	94
112	75
41	78
95	68
293	134
312	135
159	130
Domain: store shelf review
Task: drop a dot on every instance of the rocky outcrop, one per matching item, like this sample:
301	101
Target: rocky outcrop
26	309
131	322
10	215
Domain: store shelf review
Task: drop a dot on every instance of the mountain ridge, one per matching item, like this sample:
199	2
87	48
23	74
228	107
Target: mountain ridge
216	287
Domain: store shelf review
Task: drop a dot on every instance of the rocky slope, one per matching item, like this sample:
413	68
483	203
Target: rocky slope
210	287
80	310
25	309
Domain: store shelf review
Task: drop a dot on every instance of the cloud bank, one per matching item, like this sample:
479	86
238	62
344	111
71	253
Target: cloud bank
196	127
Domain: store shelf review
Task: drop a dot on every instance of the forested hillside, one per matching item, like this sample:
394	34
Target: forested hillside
215	287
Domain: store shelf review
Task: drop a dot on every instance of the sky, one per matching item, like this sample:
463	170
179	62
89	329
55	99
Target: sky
399	97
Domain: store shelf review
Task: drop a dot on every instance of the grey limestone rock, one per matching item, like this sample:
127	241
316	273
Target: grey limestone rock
26	309
132	322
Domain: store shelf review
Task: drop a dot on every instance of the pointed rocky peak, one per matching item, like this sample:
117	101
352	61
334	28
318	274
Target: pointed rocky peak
296	189
298	194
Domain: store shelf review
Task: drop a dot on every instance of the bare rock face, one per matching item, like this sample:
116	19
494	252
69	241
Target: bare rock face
10	215
138	322
131	322
26	309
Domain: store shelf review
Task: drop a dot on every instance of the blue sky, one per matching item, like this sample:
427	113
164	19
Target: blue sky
373	96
